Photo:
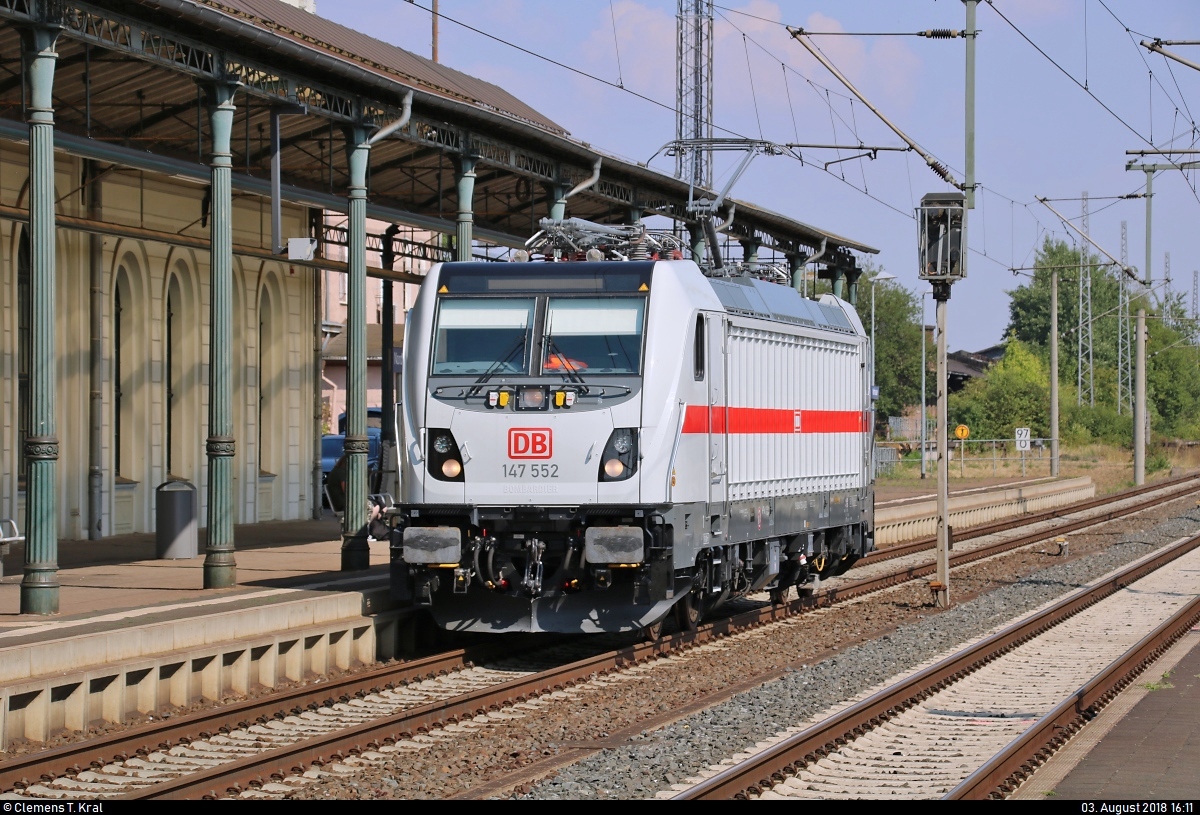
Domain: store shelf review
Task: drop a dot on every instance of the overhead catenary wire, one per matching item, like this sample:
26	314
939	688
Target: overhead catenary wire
1131	32
753	92
1070	76
616	45
827	93
938	168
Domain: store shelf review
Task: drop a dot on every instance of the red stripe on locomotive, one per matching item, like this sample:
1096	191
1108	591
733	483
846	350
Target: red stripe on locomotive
741	420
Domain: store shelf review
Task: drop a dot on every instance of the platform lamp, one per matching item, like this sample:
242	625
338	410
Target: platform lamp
875	281
941	222
879	278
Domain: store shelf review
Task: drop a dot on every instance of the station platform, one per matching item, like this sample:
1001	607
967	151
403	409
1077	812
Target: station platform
136	635
120	578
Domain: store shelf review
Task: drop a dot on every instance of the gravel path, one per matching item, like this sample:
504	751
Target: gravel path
669	755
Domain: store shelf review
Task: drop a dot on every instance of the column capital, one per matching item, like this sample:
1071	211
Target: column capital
464	163
40	38
219	98
39	42
358	156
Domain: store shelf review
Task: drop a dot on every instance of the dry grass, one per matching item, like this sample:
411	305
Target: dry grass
1110	468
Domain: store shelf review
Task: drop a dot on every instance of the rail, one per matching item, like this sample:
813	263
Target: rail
796	752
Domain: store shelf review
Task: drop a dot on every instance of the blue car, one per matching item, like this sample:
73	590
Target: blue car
333	446
374	420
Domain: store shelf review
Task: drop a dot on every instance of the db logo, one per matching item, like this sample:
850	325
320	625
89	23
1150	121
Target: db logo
530	442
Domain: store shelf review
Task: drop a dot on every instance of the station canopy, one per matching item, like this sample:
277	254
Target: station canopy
130	89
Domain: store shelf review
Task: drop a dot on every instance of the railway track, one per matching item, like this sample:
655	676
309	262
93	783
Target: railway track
976	723
253	745
1185	484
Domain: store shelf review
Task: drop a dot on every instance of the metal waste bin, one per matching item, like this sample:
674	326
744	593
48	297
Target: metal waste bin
175	520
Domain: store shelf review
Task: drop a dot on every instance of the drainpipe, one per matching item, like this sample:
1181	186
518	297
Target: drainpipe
798	272
389	129
96	406
558	210
587	182
320	311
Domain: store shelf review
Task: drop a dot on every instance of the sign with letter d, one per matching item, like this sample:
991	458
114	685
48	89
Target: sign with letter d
530	442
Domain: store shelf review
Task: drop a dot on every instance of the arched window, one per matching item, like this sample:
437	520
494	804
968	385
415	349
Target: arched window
24	352
129	446
172	371
265	372
118	377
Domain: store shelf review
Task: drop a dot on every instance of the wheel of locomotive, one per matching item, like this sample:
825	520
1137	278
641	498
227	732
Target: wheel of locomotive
687	611
690	610
653	631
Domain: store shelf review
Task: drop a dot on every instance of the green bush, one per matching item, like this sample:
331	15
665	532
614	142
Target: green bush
1157	461
1014	393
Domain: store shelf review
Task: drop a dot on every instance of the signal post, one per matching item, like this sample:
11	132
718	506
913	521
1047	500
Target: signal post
941	222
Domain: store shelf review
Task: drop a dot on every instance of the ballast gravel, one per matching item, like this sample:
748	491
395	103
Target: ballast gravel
842	651
654	761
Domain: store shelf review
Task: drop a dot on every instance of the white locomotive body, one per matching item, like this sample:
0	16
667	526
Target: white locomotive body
590	444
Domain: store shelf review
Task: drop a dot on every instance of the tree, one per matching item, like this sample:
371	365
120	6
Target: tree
1172	383
897	341
1014	393
1029	313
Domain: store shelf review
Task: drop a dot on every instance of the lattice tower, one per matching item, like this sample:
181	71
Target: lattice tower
1087	382
1124	338
694	88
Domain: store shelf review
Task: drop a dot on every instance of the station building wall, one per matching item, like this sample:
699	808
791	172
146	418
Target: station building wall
273	377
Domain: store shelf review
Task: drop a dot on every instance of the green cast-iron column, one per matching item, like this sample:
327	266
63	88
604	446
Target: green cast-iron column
696	239
558	206
464	178
796	267
356	554
220	569
750	255
39	586
839	279
852	286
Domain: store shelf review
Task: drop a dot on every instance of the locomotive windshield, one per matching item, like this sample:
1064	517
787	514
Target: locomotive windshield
593	335
476	336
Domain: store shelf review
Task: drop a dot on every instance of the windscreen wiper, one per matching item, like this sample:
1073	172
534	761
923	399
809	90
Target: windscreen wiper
496	366
572	372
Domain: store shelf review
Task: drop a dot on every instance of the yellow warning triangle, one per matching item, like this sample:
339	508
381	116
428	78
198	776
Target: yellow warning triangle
443	289
643	287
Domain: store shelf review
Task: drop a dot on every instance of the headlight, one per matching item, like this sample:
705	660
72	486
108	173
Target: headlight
531	399
619	460
444	460
623	442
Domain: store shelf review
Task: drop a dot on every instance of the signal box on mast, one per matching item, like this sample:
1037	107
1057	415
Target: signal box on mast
940	235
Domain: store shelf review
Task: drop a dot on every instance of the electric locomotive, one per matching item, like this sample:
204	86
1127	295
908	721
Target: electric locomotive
592	445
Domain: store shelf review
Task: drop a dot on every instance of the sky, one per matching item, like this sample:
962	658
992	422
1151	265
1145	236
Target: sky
1063	90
